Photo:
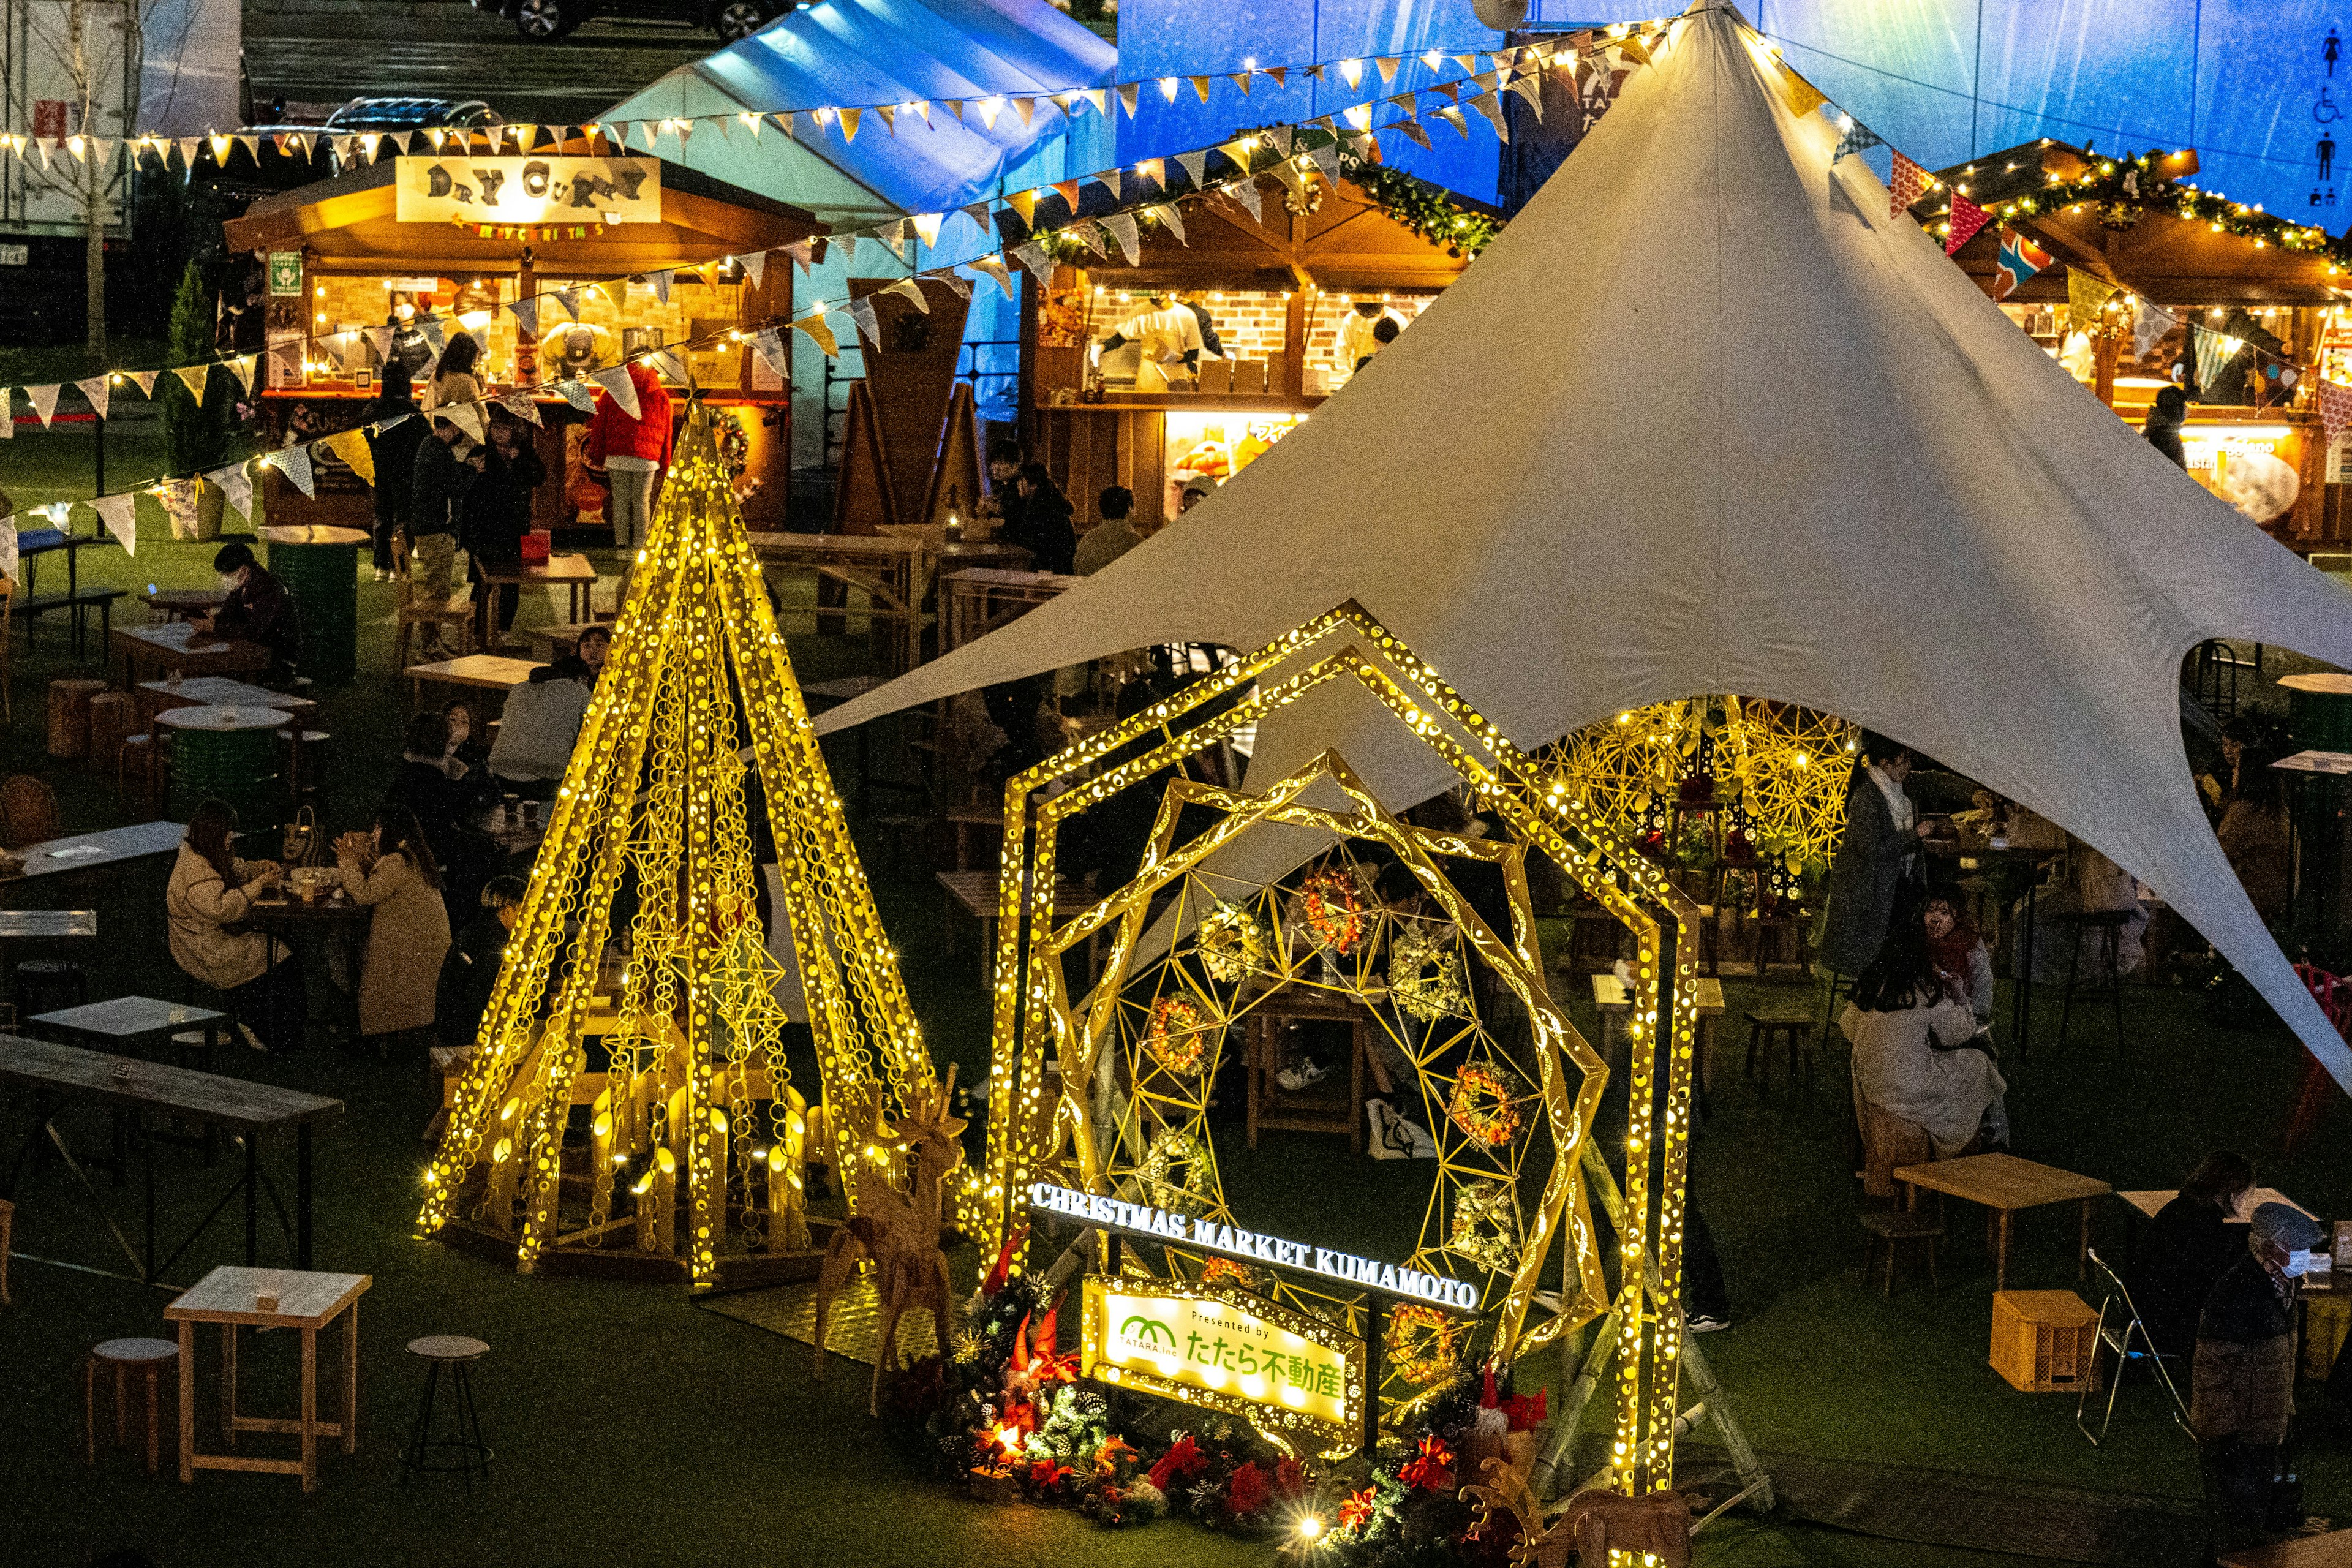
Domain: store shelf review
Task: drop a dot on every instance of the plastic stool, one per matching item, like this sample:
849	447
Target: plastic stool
456	1352
125	1357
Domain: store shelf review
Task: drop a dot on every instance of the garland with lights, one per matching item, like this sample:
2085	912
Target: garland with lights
2123	188
1422	207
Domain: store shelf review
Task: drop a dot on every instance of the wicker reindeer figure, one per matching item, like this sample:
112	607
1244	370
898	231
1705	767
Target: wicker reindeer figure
1595	1524
898	1230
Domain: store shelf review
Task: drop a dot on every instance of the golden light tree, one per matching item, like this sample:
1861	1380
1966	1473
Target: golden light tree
696	726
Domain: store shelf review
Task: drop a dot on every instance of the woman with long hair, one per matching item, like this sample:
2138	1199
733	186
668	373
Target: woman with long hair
391	869
2187	1248
206	907
1916	1096
454	381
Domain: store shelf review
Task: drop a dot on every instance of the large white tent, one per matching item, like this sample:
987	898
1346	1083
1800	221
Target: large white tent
1707	418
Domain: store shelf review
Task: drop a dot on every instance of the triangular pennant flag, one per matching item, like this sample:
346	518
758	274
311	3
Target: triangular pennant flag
520	405
1241	80
893	236
1410	127
1388	64
2334	410
8	547
1491	106
659	283
144	380
436	334
94	389
380	338
849	124
45	401
1352	73
1910	181
466	417
1032	255
1069	191
1025	204
1529	89
754	264
1281	136
1026	108
1246	191
1292	180
526	312
768	344
889	117
800	250
1097	96
243	367
252	149
667	362
994	267
862	312
2086	292
1086	234
1803	96
1966	219
2021	258
579	394
1168	86
1108	180
569	298
927	226
1122	229
1200	87
236	486
1454	117
982	219
1153	172
188	145
912	289
1239	150
616	383
1279	73
1326	159
2148	324
1127	91
352	447
818	333
120	516
1166	213
955	280
1634	49
783	123
1196	166
294	462
848	243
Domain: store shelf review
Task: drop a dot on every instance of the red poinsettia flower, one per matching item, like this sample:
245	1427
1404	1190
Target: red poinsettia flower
1290	1479
1049	1473
1245	1490
1357	1511
1184	1458
1524	1414
1430	1469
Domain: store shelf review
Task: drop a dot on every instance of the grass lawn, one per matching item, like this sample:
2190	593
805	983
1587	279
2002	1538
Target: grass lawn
632	1428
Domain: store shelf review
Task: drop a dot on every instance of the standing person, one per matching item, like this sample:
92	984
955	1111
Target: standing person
393	447
2255	836
1111	538
497	511
2242	1379
2165	418
436	502
2186	1249
1357	339
455	381
206	906
1167	340
631	450
1879	855
257	609
1045	530
391	869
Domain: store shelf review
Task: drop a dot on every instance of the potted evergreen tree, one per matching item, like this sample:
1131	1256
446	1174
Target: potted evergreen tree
195	436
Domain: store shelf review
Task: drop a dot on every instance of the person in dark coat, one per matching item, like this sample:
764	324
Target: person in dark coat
1044	529
442	804
1878	856
436	504
394	451
471	970
2170	411
2187	1248
498	510
257	609
2241	1393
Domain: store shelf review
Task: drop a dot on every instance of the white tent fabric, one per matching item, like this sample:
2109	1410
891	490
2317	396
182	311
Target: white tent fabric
1706	418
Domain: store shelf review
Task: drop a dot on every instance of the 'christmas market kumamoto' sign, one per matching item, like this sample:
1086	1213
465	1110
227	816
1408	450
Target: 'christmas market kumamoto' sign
1211	1235
1260	1361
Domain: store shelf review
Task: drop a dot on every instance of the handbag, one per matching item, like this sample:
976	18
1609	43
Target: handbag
302	846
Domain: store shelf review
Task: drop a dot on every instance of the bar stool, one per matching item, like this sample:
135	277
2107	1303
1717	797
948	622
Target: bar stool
456	1352
1769	1028
2109	925
306	760
125	1357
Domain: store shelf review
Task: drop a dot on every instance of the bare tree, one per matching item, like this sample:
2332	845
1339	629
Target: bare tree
97	51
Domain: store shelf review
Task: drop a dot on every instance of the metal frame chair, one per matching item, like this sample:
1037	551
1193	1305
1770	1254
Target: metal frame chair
2118	1338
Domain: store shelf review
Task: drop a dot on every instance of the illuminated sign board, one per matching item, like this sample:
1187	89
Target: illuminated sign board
1211	1235
521	189
1206	1347
2201	443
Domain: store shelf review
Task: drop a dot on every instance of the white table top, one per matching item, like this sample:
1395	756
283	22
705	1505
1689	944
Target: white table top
219	689
312	533
124	1016
224	719
2147	1203
81	851
305	1300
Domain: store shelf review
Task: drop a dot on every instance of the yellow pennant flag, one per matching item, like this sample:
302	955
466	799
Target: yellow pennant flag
1023	202
1803	96
192	376
352	447
2085	292
819	335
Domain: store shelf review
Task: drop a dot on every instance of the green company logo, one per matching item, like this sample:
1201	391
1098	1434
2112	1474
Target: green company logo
1149	1332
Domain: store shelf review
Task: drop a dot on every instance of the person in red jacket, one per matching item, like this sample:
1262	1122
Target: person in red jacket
631	452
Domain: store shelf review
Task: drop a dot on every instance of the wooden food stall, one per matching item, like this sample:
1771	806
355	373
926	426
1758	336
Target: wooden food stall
2282	306
1279	294
369	265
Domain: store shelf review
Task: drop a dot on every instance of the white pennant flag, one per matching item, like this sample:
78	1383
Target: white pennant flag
801	250
894	238
754	264
2148	325
1032	255
121	515
1108	180
1244	191
768	344
848	243
994	267
1166	213
94	388
862	312
45	401
379	339
1326	159
1491	106
236	485
294	462
982	219
1195	166
616	383
659	282
912	290
466	417
242	366
579	394
8	547
927	226
1121	227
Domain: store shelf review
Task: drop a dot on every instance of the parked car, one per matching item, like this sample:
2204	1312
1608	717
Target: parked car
409	113
546	20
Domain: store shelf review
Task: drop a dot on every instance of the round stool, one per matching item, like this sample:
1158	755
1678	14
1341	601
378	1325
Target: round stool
46	984
456	1352
125	1357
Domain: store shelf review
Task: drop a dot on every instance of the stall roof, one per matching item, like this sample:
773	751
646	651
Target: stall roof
883	51
349	219
1706	418
1348	243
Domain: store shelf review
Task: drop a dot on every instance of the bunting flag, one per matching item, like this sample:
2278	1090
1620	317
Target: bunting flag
1456	119
926	226
1410	129
818	333
8	547
983	218
2086	293
1109	180
1127	94
1166	213
1966	219
120	516
236	486
2334	410
1200	87
1491	106
616	384
848	243
526	314
1803	96
44	400
520	404
436	334
1388	65
352	447
569	300
579	394
2149	323
768	344
2021	258
1032	255
994	267
1196	166
1910	181
1025	204
242	367
1121	227
868	327
380	338
179	501
1244	191
801	250
2213	350
1326	159
1292	180
847	121
144	380
659	283
94	389
961	285
912	289
1069	191
894	241
466	417
294	462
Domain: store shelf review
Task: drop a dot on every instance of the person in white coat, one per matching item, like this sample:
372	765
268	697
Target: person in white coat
206	906
1920	1088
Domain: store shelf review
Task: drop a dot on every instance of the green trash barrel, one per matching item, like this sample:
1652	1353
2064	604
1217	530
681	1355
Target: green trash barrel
226	753
320	567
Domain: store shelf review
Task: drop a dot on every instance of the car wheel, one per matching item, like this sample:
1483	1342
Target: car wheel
545	19
734	20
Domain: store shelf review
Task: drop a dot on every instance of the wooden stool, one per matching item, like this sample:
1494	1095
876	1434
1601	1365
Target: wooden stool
1596	940
70	716
1894	1227
113	719
1766	1029
7	1235
138	774
125	1357
456	1352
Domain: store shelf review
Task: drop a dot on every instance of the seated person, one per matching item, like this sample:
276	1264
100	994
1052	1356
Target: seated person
1111	538
1914	1100
467	757
205	908
2187	1248
471	970
1963	960
595	646
258	609
539	727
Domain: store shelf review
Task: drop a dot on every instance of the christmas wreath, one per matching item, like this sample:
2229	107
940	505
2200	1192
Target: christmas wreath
1485	1226
1177	1035
1424	1345
1334	911
1231	943
1482	1105
1425	975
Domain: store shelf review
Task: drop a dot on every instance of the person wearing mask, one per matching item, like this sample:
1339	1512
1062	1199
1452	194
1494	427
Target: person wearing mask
1878	856
438	491
454	380
257	609
206	904
2242	1378
497	511
471	970
631	450
538	729
1044	532
392	870
1916	1095
1111	538
2186	1249
394	432
2165	417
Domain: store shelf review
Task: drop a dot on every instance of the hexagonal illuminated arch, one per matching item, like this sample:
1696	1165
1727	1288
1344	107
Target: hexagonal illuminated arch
1027	1109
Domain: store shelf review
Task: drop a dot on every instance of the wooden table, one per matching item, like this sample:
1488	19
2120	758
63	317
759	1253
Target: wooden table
2333	1550
1265	1011
975	892
177	648
285	916
574	571
977	600
55	1074
182	603
891	571
304	1302
1615	1004
482	671
15	923
107	847
2148	1202
2005	1185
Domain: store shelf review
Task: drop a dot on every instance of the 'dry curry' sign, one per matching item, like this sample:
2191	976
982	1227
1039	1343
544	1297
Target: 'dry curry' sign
458	188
